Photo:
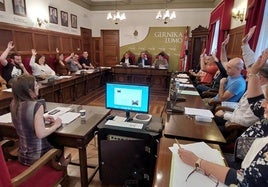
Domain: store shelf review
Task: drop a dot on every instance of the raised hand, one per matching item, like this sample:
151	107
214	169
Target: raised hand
34	52
261	61
226	41
249	35
10	45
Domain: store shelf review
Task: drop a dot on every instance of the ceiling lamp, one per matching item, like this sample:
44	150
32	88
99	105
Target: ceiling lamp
116	16
165	15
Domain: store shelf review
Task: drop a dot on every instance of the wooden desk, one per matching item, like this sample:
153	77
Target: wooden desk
183	127
6	98
157	78
76	89
77	134
163	163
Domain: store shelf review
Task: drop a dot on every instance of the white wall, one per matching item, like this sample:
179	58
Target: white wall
139	20
39	8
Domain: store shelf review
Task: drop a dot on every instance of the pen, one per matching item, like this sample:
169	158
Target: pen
178	143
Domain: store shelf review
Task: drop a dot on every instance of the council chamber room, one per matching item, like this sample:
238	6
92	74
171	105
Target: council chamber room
133	93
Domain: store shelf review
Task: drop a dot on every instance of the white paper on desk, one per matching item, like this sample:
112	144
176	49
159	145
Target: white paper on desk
198	112
62	110
189	92
187	85
181	80
180	170
64	77
6	118
182	75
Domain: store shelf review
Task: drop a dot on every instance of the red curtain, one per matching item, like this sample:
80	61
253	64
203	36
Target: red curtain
222	12
254	16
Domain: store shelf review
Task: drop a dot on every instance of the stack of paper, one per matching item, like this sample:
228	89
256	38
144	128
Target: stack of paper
180	170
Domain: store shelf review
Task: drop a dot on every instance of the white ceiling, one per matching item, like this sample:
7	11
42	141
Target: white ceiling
98	5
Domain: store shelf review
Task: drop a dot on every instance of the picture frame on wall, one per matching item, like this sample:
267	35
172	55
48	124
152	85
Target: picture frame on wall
53	14
73	21
64	18
19	7
2	5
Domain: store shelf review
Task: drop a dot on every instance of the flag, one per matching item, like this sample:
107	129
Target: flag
183	65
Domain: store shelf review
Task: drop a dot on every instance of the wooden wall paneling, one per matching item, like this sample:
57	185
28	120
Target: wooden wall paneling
44	41
66	43
110	43
234	45
6	36
76	44
97	51
54	42
86	37
23	42
41	43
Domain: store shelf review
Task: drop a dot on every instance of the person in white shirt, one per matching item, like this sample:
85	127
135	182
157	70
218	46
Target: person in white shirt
39	66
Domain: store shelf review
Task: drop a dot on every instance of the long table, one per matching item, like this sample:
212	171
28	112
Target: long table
184	127
77	134
67	90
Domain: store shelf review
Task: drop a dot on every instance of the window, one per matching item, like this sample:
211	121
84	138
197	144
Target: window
215	39
262	41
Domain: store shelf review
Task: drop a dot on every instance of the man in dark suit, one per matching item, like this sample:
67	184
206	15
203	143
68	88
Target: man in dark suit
143	60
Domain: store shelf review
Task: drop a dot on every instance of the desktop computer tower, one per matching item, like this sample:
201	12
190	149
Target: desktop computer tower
127	157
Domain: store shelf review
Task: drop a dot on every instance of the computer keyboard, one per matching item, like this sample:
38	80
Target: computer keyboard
124	124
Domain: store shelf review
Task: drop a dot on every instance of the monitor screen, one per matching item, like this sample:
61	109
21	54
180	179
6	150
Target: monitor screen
128	97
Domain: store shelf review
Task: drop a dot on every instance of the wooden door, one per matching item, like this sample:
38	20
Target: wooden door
110	43
86	37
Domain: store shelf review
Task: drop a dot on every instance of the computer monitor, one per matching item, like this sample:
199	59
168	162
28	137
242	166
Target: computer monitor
127	97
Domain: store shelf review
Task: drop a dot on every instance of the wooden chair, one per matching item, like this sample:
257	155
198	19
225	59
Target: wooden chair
165	56
231	132
43	173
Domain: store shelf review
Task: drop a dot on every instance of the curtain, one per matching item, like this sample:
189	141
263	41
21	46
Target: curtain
262	41
222	13
254	16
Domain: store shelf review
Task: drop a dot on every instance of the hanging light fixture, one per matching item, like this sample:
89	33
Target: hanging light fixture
117	16
165	15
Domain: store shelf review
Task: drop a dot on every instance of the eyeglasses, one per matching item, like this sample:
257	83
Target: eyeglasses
199	170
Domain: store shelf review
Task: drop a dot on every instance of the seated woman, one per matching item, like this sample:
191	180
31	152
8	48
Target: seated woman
39	67
161	62
61	66
254	170
126	60
28	118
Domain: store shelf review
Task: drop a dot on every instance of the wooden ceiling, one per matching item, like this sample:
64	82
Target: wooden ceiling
100	5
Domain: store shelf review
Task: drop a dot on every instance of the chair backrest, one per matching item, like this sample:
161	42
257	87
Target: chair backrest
165	56
26	63
5	179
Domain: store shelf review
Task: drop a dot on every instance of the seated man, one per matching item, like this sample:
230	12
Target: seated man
233	87
161	62
143	60
243	115
14	68
85	62
73	63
